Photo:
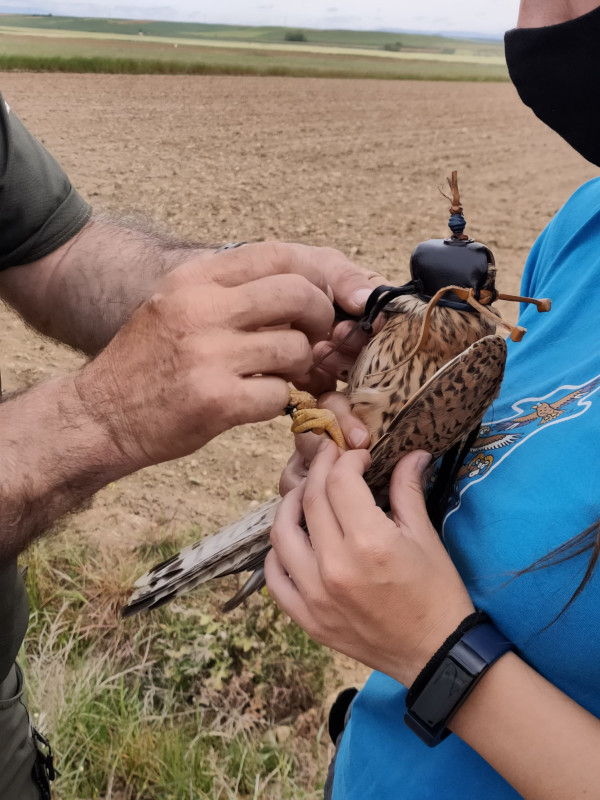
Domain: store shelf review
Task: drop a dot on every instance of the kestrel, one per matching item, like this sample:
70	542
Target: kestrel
424	381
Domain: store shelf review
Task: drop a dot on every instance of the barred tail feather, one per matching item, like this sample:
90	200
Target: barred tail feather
238	547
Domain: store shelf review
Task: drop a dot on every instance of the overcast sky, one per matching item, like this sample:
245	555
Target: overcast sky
483	16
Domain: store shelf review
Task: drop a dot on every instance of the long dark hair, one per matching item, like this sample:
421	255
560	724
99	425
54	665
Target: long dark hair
588	539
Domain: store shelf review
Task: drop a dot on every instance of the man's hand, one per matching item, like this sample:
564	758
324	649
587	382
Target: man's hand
325	267
84	291
212	348
345	283
383	591
215	347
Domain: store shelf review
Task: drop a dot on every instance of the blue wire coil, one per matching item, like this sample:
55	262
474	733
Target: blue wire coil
457	224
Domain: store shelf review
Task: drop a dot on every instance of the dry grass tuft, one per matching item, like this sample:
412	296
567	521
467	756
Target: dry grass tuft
174	705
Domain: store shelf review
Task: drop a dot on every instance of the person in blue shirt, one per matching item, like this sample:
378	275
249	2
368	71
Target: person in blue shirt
520	536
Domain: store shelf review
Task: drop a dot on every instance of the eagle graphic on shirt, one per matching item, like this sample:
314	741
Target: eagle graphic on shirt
496	440
544	412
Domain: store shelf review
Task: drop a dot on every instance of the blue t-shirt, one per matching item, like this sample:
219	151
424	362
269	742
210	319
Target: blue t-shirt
530	484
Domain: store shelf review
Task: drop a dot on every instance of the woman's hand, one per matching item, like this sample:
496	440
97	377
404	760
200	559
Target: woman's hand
383	591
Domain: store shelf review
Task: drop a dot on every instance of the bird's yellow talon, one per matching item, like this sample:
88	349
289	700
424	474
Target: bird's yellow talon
306	416
318	420
301	400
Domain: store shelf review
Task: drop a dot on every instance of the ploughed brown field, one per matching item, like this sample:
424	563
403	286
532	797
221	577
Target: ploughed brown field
351	164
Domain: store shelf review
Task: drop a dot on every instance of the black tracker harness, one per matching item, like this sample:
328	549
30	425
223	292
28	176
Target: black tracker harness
456	272
435	265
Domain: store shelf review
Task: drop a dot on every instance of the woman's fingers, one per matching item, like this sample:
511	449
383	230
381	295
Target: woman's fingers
407	499
321	521
295	472
349	497
307	444
291	568
283	590
290	540
354	430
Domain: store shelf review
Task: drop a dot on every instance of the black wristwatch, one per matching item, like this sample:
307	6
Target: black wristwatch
449	678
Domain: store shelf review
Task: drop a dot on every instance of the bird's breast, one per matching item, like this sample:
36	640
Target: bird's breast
386	375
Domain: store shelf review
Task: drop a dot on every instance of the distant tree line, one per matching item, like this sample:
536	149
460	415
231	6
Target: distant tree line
295	36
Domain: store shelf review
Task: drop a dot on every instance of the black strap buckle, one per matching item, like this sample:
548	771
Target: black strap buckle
45	756
383	296
338	715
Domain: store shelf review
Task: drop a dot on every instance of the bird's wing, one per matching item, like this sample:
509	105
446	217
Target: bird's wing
495	442
235	548
517	422
443	411
577	394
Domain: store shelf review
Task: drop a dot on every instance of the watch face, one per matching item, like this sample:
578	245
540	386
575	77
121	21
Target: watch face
435	704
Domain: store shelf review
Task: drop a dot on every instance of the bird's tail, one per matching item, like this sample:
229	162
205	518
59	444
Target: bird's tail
236	548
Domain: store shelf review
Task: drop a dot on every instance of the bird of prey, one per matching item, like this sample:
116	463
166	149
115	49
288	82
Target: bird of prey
424	381
454	387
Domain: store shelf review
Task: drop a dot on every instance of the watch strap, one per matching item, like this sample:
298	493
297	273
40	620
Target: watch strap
451	675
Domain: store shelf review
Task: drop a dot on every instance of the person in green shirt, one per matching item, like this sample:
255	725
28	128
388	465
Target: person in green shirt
187	341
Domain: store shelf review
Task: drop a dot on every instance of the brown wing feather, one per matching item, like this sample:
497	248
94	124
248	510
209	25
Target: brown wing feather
444	410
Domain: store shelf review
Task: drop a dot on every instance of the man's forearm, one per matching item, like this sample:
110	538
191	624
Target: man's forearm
83	292
54	457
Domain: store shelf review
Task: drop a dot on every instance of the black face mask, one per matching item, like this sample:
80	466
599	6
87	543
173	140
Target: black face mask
556	71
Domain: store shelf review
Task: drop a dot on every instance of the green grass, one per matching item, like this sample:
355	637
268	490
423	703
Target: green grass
174	705
231	66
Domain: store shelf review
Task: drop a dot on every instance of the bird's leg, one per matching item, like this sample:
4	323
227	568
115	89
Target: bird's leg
307	417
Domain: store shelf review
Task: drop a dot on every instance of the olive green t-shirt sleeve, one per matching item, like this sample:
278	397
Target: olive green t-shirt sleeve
39	209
